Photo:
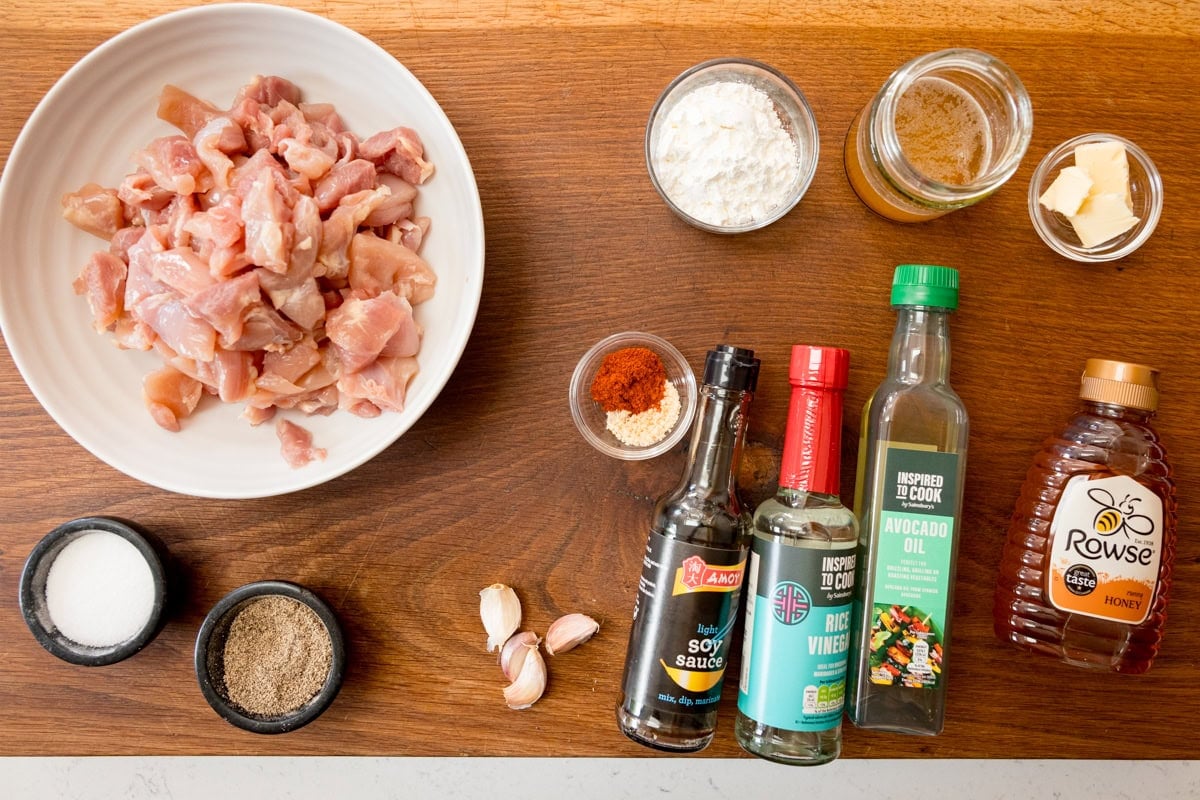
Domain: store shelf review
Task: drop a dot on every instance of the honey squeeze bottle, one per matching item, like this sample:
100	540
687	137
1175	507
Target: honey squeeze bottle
687	598
911	461
1087	563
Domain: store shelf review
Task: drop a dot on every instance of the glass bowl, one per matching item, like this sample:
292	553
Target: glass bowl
1145	189
591	418
790	104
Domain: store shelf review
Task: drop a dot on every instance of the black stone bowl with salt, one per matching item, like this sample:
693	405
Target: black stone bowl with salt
35	607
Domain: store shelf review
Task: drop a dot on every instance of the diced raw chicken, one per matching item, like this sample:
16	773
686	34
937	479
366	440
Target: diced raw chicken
185	334
178	212
263	213
311	162
360	329
94	209
226	304
180	269
339	229
359	408
214	143
321	401
257	416
170	396
264	329
217	236
140	191
172	162
296	444
389	212
184	111
343	179
292	364
269	90
400	152
410	233
103	282
235	374
325	114
267	255
124	239
383	383
378	265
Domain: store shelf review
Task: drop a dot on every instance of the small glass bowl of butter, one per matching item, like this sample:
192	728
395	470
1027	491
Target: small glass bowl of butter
1095	198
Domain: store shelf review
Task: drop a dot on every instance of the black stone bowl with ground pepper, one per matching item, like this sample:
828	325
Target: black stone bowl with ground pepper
270	657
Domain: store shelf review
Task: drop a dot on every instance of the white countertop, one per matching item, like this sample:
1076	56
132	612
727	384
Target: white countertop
202	778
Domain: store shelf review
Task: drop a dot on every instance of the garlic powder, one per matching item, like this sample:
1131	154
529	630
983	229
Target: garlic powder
724	156
650	426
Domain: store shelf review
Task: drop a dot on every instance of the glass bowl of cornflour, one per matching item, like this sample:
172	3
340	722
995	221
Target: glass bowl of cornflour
731	145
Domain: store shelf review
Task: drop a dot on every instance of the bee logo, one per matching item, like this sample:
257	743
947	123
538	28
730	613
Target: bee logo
1114	517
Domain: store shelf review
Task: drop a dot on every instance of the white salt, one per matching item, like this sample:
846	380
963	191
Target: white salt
100	591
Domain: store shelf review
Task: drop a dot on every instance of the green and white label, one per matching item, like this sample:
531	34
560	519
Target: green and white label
911	584
797	639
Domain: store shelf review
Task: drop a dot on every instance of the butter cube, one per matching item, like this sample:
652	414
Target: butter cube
1108	166
1068	191
1103	216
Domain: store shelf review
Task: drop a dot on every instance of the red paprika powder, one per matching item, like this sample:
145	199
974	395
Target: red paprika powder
630	379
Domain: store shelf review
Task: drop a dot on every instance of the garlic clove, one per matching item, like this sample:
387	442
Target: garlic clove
530	682
570	631
514	652
501	613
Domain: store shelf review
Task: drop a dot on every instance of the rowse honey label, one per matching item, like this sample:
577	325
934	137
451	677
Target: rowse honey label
687	603
1106	548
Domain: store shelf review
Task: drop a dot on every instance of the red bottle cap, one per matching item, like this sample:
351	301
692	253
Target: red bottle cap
819	367
812	443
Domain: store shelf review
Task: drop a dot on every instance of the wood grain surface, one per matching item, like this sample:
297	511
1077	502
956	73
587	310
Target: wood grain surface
495	484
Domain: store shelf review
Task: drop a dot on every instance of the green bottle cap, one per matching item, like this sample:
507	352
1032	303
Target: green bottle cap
925	285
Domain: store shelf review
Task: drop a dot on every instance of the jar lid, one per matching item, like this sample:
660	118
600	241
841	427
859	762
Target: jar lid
1120	383
925	285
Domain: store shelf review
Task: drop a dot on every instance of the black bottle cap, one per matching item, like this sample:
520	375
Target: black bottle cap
729	367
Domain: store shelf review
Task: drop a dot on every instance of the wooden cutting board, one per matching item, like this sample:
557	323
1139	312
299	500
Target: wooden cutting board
495	484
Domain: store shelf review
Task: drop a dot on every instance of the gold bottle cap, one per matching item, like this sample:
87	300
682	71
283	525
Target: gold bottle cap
1120	383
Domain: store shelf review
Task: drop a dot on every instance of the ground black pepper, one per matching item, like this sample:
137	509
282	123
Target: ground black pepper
277	656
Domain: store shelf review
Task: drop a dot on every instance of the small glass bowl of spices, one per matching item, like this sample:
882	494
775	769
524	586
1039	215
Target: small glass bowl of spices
633	396
270	657
93	591
1095	198
731	145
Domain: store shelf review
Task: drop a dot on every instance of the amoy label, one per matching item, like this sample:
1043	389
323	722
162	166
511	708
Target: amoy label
686	606
797	642
911	584
1106	548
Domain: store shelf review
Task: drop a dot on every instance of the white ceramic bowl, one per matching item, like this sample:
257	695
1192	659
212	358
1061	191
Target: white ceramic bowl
1145	189
86	129
591	419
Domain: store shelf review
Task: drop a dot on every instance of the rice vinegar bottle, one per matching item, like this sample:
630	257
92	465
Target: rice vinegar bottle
909	502
1087	563
800	584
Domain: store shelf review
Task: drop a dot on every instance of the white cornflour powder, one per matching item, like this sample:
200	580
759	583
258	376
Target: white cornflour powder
99	590
723	155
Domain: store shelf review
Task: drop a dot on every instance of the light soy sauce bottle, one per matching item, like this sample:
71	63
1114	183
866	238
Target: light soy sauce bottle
687	599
